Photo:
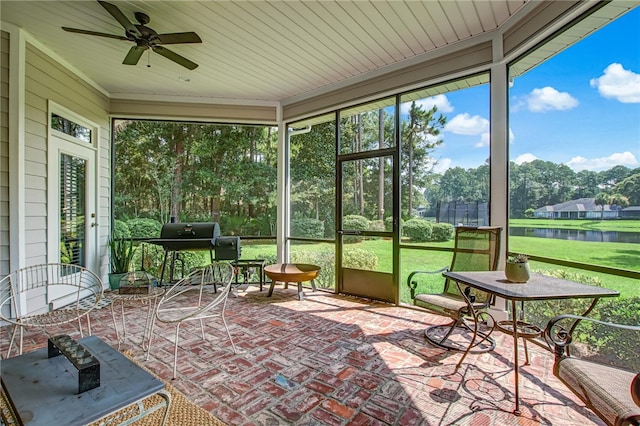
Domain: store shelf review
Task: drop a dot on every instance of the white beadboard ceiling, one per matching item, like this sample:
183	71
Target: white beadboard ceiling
265	51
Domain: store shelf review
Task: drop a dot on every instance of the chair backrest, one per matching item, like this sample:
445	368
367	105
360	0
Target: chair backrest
197	293
476	249
43	288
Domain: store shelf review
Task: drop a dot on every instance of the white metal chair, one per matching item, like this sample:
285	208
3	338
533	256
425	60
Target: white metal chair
199	296
48	295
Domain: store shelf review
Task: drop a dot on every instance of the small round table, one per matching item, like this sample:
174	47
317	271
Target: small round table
292	273
150	299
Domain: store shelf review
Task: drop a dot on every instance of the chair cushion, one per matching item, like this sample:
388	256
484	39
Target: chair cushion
443	303
604	389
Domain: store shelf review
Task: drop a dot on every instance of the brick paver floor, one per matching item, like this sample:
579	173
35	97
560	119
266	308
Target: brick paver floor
338	360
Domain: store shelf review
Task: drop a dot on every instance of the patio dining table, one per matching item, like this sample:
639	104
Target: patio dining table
538	287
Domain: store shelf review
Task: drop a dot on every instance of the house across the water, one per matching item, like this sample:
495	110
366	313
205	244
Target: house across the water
586	208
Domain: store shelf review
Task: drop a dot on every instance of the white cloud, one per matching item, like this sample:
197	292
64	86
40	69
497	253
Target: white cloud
549	99
464	124
484	141
440	101
603	163
618	83
525	158
442	165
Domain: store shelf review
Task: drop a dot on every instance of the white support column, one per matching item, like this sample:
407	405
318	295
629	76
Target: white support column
16	147
283	209
499	198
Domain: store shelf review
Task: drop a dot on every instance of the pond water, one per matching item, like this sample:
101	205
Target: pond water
577	235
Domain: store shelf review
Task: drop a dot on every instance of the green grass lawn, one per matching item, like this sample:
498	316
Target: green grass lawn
619	255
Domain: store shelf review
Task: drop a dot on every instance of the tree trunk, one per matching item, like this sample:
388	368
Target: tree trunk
176	187
410	162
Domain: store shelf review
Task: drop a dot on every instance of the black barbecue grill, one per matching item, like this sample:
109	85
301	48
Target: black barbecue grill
176	237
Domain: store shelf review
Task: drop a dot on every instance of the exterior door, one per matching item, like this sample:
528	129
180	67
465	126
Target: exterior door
366	187
72	212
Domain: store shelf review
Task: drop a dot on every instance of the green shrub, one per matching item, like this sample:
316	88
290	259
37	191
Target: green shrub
442	231
354	222
325	259
144	228
358	258
418	230
376	225
388	223
231	225
120	230
307	228
614	344
540	312
258	226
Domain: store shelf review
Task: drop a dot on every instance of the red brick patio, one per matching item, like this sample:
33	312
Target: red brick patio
336	360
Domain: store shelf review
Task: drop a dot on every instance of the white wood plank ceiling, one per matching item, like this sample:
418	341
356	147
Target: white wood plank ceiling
254	50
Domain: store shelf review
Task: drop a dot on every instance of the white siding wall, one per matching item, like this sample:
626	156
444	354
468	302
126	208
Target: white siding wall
4	153
47	80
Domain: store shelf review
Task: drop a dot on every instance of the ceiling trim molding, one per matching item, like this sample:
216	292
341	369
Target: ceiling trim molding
192	99
189	111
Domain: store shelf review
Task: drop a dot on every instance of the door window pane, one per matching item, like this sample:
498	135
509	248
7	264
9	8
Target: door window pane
70	128
72	208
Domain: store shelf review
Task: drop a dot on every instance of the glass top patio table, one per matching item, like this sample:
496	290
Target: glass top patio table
539	287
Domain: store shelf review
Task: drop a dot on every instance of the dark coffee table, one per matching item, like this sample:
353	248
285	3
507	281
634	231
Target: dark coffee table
44	391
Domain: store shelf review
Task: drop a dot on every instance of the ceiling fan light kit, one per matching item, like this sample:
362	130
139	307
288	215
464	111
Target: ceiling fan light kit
145	38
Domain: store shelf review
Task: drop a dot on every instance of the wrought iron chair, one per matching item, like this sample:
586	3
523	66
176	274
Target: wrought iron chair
195	298
48	295
609	386
476	249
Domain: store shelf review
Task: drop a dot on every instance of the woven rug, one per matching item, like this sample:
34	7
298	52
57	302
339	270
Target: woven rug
182	412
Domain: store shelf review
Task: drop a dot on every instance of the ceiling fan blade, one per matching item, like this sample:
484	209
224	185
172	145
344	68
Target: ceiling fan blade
175	57
94	33
134	55
178	38
119	16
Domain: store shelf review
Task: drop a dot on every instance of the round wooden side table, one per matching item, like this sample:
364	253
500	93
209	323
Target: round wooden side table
292	273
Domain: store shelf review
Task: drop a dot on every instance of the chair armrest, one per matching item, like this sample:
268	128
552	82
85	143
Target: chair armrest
559	337
413	284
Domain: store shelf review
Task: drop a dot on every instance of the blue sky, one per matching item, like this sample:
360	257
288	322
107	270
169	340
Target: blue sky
580	108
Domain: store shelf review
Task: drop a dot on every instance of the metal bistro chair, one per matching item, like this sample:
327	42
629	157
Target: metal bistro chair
476	249
48	295
195	298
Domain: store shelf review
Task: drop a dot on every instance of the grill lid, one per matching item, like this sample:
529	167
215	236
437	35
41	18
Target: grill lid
188	236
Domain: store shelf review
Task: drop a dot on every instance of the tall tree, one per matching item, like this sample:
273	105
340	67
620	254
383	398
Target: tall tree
602	199
630	188
419	138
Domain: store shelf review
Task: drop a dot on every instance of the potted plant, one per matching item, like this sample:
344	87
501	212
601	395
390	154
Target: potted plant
122	251
517	268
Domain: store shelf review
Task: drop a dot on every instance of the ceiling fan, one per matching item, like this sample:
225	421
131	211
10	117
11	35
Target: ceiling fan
144	37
